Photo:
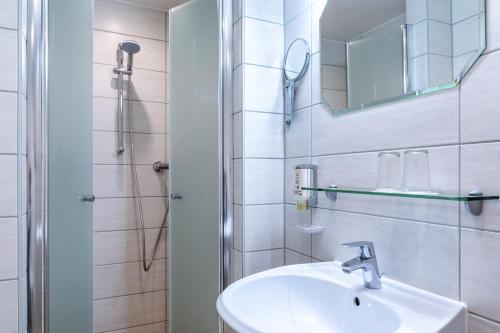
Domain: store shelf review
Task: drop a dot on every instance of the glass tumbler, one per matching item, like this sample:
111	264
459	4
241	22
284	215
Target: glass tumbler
416	173
389	171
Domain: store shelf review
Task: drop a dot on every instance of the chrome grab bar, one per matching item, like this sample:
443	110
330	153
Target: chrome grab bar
404	30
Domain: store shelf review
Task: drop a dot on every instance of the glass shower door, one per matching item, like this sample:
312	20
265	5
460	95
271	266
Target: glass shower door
195	167
69	122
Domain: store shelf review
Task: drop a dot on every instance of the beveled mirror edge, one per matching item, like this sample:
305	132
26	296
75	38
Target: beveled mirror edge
423	92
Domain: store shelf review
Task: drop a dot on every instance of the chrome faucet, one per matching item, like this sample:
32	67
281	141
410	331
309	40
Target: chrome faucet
367	261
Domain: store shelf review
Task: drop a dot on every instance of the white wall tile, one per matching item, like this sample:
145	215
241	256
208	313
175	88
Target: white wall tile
237	265
264	227
8	60
263	181
298	134
263	135
480	289
294	258
238	89
440	38
151	56
419	68
479	172
440	70
8	306
416	11
114	247
238	181
460	62
238	135
336	99
8	248
129	19
262	260
433	249
8	122
440	10
263	89
429	120
479	100
111	214
267	10
8	184
299	27
237	9
303	91
418	43
294	7
129	278
126	311
238	222
261	39
481	325
316	13
8	15
316	79
463	9
295	239
149	86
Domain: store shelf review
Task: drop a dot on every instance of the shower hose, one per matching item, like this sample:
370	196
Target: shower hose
146	262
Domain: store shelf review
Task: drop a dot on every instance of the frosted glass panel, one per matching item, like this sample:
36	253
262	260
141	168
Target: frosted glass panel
70	166
195	162
375	68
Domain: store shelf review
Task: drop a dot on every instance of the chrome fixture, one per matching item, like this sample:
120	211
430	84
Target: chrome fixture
158	166
297	60
367	261
131	47
87	198
406	81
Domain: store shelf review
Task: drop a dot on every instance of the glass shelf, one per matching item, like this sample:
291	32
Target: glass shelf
405	194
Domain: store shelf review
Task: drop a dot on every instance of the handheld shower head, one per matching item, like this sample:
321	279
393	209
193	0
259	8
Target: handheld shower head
131	47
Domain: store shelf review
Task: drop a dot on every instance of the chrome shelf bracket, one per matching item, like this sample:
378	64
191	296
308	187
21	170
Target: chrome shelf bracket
332	195
474	207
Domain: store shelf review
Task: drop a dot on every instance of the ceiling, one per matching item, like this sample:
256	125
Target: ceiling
343	20
158	4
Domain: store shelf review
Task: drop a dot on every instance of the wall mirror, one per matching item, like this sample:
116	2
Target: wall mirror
373	52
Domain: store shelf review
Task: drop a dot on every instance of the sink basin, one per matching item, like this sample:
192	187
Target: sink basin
320	298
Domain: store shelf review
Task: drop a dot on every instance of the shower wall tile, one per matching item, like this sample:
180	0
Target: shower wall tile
465	35
238	181
133	279
262	260
260	40
396	241
238	223
263	227
128	311
151	328
8	122
238	135
294	258
480	289
115	247
492	25
151	56
238	89
440	37
112	214
441	10
465	9
8	15
263	135
8	248
266	10
9	306
147	117
299	27
8	60
298	134
334	77
481	325
294	7
416	11
8	185
237	44
334	53
129	19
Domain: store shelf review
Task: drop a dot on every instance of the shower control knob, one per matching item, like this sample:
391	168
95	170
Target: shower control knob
175	196
87	198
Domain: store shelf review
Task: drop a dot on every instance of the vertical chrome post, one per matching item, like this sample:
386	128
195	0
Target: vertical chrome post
121	113
36	162
404	31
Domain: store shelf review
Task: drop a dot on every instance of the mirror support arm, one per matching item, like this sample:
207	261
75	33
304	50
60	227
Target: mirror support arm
289	101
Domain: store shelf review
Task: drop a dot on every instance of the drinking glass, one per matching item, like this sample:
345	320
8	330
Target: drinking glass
389	171
416	174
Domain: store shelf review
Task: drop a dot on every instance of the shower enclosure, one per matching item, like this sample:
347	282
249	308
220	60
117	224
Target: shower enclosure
63	190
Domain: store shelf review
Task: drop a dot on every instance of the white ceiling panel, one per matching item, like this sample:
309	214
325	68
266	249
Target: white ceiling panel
164	5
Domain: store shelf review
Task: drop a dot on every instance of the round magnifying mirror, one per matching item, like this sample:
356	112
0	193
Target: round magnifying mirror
297	60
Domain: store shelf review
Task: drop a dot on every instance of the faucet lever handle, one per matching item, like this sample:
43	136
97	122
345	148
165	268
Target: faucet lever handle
366	248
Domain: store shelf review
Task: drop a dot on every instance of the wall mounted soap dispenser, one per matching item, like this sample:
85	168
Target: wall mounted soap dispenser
305	176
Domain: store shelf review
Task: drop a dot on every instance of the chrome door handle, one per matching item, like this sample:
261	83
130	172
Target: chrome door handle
175	196
87	198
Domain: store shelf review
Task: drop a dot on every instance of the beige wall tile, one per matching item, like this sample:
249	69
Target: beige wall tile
8	60
8	306
8	248
8	185
8	123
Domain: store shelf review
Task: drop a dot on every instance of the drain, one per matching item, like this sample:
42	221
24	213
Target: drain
356	301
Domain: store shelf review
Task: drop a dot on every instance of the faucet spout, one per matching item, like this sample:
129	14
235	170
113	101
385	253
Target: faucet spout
367	261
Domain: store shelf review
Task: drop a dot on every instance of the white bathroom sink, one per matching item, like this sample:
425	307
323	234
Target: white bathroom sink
320	298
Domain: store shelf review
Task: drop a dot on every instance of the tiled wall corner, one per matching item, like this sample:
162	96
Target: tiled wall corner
121	287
